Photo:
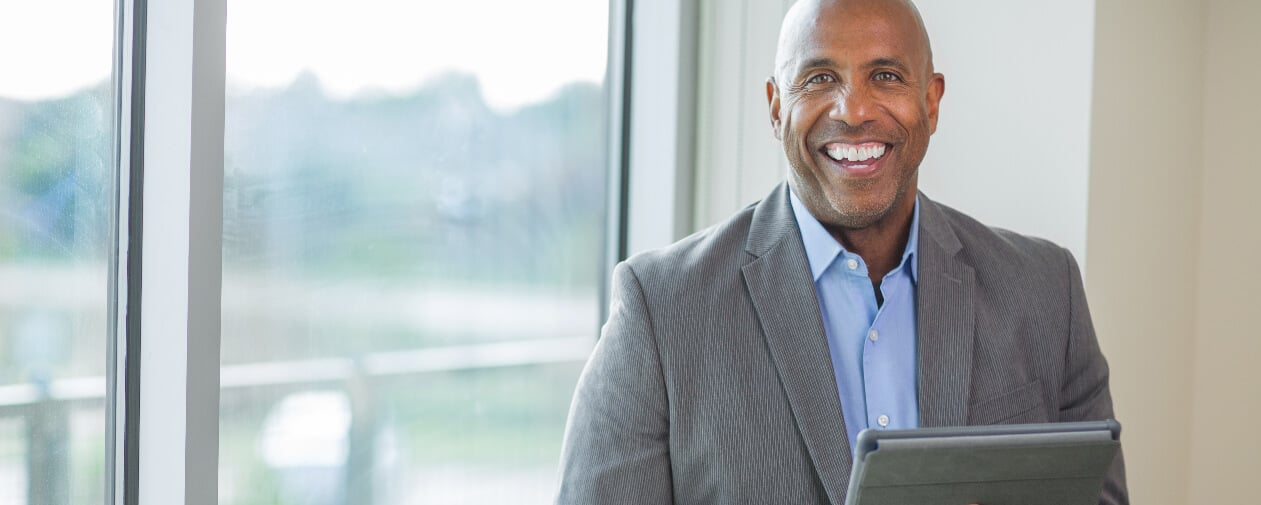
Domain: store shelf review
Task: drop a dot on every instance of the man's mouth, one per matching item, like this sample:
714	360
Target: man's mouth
857	157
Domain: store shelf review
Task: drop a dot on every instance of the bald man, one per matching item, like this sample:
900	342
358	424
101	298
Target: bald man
739	364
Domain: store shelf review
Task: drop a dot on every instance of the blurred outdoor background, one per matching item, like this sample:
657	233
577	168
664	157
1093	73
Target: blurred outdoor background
57	180
414	229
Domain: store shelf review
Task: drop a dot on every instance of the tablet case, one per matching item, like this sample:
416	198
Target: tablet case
1029	464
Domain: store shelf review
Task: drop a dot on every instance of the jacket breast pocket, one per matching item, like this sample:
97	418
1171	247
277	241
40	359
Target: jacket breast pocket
1021	405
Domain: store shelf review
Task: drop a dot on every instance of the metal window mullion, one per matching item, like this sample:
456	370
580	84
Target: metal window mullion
181	252
617	83
122	370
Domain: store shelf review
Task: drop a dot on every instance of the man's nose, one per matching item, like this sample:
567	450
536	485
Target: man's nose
853	106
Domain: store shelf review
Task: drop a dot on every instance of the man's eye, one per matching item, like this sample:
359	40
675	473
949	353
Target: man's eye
819	79
887	76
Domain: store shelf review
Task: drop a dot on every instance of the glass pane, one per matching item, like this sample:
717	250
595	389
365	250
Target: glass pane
56	211
414	221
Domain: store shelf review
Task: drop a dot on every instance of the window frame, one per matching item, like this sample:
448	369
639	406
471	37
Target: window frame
165	284
661	129
122	374
163	423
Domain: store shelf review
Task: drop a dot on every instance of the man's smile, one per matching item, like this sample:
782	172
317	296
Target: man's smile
857	159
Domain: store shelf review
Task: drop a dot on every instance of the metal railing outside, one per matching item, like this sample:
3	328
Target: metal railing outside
45	407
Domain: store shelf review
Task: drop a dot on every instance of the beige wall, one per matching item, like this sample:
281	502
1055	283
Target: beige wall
1173	241
1226	411
1141	230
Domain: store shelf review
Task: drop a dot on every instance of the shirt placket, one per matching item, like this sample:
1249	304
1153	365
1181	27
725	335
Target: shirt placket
881	355
875	362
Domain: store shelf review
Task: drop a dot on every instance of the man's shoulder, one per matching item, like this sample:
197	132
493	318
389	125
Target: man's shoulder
720	247
999	250
719	251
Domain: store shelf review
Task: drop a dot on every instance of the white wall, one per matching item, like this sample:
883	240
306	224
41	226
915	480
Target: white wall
1013	141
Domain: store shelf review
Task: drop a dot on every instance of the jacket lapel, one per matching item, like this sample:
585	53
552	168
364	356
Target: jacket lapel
946	321
782	290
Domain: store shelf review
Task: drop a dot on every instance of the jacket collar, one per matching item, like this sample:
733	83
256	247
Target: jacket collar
781	287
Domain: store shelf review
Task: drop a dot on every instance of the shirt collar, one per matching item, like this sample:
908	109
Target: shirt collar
822	248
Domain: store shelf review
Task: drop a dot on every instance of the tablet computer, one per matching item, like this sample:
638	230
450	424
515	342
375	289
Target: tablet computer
1016	464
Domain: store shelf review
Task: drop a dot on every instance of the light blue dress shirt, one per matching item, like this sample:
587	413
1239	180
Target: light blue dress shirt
872	346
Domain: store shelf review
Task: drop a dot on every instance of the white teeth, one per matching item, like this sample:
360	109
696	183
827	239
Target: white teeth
854	153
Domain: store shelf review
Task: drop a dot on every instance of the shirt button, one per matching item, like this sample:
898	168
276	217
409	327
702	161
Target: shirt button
883	420
874	335
852	264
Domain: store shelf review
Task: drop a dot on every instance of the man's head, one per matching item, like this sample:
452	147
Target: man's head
854	100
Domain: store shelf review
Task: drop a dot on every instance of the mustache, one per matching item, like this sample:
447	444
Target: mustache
840	130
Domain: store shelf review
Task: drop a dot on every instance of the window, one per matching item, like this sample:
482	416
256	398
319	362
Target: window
57	178
414	231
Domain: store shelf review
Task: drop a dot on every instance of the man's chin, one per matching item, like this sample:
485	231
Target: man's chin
858	220
858	212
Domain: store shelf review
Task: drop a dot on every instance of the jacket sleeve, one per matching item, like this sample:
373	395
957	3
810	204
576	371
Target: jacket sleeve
616	441
1085	395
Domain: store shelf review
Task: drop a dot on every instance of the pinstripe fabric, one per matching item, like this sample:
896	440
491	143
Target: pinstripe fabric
712	383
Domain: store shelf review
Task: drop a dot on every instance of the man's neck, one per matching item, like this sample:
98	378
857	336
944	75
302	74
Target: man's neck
880	245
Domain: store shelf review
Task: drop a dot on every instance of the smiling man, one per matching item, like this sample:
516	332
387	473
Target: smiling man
739	365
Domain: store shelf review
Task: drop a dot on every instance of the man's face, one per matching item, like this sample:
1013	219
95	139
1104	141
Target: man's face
854	101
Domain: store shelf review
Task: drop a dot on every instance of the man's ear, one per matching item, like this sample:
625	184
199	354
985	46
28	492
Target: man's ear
936	88
772	99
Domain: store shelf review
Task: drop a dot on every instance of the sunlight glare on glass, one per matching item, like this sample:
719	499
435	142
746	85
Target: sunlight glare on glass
395	46
47	62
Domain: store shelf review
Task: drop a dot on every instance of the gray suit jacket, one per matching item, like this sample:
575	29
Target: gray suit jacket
712	382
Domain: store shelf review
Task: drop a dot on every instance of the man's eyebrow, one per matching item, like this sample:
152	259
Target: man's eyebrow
888	62
823	62
819	62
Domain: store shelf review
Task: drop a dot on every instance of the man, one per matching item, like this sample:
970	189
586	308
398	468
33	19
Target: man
738	365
